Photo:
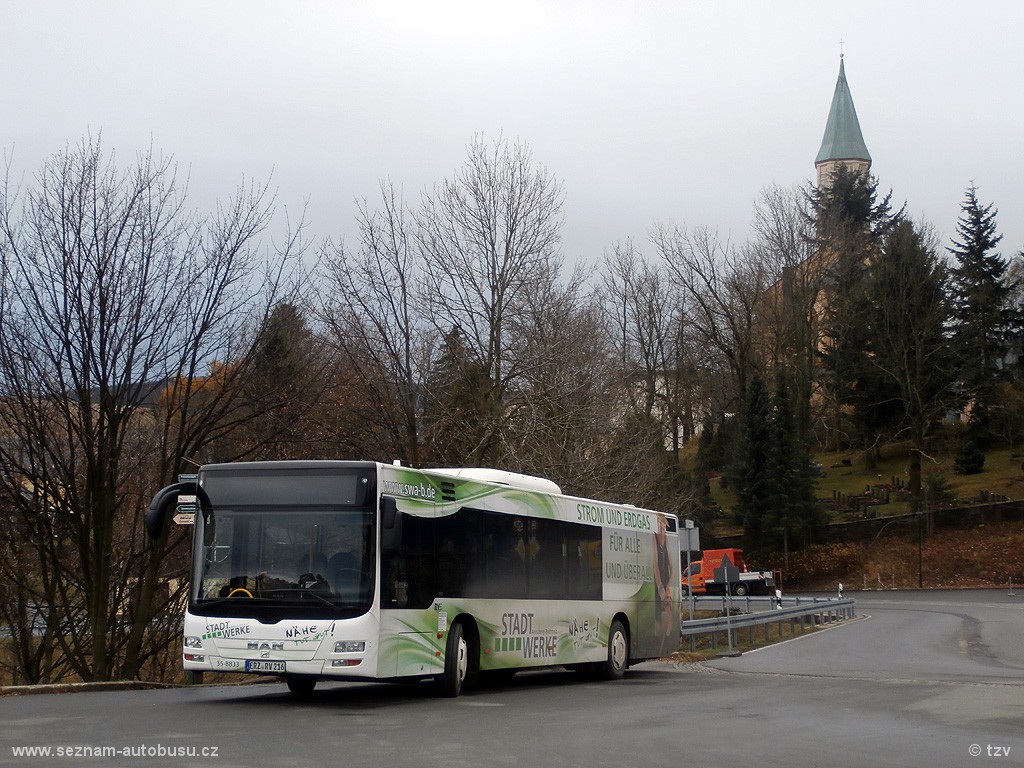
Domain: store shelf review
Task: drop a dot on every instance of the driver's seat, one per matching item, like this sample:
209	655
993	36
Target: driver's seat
345	576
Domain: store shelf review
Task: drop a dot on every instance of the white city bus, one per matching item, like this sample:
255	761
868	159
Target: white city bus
361	570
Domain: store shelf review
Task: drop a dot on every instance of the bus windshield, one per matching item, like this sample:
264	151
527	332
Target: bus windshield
269	561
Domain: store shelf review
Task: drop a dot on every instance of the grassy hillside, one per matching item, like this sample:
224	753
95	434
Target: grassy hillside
985	555
848	474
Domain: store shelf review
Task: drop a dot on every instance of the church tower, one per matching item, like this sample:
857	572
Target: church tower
843	142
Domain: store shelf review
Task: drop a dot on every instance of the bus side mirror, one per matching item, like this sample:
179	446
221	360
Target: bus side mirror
164	499
157	512
390	525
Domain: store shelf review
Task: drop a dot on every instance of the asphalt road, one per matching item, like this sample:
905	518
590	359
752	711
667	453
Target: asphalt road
925	679
930	678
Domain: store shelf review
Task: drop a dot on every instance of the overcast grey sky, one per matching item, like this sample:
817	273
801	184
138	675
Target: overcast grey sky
670	111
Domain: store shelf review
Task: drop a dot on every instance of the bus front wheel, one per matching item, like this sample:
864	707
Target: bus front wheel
618	652
301	685
456	662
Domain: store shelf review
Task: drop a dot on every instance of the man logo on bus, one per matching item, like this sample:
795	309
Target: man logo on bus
255	645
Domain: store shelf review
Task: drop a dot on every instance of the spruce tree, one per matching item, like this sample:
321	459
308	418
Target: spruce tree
969	459
702	464
850	225
793	509
911	350
456	410
281	416
755	483
983	322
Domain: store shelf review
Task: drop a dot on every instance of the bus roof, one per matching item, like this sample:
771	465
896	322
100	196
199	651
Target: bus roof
500	477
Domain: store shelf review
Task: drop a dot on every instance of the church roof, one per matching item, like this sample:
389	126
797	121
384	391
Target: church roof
843	139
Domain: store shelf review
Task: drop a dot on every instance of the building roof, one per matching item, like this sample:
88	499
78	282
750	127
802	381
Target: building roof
843	139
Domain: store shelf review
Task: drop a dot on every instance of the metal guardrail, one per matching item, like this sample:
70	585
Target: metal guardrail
750	603
815	611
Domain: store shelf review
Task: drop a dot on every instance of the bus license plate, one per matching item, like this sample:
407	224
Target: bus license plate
264	666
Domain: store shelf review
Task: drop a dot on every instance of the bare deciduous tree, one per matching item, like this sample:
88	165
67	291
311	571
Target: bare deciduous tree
653	342
373	313
724	291
489	238
559	411
117	303
792	315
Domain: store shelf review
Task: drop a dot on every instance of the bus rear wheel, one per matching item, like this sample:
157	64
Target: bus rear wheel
456	662
618	652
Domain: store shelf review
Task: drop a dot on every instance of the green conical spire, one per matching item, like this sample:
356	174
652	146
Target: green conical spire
843	139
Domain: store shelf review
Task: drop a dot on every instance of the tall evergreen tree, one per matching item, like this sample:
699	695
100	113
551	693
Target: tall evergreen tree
793	509
847	214
850	224
909	348
983	321
702	464
283	388
756	486
457	396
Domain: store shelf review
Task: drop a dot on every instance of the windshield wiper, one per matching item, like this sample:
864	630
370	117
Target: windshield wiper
340	608
321	598
210	602
281	597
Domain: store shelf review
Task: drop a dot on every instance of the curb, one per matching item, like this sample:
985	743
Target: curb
124	685
111	685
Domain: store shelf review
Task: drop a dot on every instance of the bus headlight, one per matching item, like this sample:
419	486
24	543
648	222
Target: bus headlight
193	642
350	646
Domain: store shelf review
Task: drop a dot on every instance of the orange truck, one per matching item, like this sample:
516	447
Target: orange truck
701	577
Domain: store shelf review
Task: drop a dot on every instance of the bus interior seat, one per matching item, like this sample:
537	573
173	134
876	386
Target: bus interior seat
316	564
342	561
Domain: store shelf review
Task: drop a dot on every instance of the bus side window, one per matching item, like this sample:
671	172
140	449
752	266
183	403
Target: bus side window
548	564
459	542
583	562
407	570
506	562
